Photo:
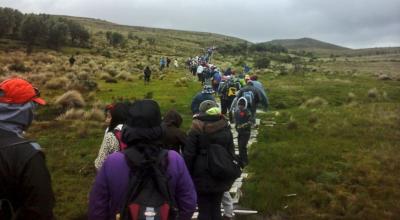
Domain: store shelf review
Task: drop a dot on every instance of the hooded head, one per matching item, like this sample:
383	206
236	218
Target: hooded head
18	99
144	114
173	118
143	124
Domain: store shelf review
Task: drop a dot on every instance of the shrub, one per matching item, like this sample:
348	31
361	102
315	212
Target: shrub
83	76
94	114
373	93
124	76
72	114
149	95
315	102
262	62
70	99
19	66
57	83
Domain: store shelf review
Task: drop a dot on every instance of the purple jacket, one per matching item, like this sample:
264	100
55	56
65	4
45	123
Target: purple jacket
111	182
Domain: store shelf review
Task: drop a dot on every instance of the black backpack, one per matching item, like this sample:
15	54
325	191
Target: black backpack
221	163
148	195
6	208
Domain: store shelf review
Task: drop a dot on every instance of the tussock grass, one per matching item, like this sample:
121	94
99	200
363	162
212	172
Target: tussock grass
58	83
72	114
70	99
95	114
315	102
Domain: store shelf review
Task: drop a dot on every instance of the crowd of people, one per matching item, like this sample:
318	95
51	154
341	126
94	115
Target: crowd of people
147	166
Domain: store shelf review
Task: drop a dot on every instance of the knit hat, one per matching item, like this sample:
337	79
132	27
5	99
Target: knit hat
207	104
19	91
207	89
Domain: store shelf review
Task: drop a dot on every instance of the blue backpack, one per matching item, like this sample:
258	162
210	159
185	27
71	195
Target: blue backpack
249	96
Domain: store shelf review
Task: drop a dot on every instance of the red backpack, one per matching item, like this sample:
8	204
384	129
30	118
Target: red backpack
118	135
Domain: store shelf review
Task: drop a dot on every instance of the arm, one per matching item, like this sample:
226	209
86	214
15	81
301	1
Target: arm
185	193
109	145
36	189
99	197
189	152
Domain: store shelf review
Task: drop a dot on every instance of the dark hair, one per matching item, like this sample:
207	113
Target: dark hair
119	115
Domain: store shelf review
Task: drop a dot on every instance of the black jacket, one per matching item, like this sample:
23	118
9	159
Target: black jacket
24	178
218	131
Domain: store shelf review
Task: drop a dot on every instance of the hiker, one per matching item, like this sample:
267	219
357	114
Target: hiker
251	94
147	75
193	68
176	63
200	73
168	62
227	91
260	88
205	94
243	124
72	60
212	127
116	116
25	183
162	63
175	138
143	134
228	72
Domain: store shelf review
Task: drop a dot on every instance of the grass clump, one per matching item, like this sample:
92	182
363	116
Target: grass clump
70	99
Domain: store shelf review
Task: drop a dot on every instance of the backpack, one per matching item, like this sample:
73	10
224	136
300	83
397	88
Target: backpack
221	163
148	195
6	208
249	96
232	89
118	135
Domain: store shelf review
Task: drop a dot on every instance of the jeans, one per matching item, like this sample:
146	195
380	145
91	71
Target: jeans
243	139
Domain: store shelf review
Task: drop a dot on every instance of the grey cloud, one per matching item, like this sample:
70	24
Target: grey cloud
351	23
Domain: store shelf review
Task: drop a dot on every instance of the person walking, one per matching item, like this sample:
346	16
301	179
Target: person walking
243	122
147	75
175	138
25	183
143	135
116	116
205	94
210	124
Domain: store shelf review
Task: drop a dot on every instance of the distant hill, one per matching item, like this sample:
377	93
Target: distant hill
306	44
188	41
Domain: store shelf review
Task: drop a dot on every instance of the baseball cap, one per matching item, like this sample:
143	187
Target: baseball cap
19	91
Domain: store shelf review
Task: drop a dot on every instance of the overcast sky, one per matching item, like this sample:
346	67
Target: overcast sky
349	23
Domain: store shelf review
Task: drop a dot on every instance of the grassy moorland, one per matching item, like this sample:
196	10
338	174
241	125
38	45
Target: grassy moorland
332	154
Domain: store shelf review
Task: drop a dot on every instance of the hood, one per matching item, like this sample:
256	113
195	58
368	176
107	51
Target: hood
136	136
16	117
144	114
173	118
245	101
209	124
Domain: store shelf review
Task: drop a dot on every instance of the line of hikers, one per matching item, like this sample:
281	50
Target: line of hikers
147	167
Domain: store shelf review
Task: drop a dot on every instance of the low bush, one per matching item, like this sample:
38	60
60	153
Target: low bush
70	99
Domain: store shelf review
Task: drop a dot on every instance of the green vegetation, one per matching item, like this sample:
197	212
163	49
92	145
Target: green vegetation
41	29
332	154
